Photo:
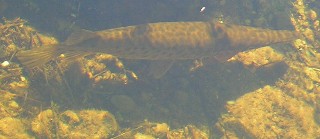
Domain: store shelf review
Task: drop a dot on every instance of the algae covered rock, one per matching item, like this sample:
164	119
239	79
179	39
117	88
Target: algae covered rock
269	113
150	130
9	107
259	57
69	124
13	128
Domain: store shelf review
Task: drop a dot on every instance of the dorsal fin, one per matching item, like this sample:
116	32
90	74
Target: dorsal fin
79	36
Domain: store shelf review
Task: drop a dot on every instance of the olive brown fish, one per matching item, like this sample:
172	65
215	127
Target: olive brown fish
163	41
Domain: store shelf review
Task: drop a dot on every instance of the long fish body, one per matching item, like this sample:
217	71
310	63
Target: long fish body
163	41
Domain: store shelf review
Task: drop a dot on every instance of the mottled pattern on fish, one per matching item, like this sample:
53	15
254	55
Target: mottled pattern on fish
244	37
176	40
161	41
185	40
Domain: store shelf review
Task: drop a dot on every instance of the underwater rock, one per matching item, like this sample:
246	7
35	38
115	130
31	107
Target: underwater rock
258	57
42	124
71	117
123	103
269	113
95	124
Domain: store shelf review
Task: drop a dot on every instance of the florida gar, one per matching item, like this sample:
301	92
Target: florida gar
160	41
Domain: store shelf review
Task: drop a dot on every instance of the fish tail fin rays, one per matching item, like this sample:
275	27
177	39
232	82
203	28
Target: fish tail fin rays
38	56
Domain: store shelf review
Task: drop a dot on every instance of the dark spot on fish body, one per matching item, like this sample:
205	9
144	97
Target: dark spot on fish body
220	36
140	30
269	38
262	35
141	35
244	29
212	32
192	28
251	39
217	31
281	34
286	34
234	36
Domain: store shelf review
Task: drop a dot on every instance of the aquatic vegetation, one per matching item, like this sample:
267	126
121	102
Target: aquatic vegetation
11	125
152	130
98	71
305	20
52	78
189	131
8	104
13	128
70	124
15	35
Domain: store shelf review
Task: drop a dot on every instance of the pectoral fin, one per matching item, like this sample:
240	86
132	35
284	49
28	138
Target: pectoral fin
157	69
224	56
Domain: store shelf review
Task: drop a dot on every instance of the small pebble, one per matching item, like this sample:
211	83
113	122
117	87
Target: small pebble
14	105
313	15
22	78
5	64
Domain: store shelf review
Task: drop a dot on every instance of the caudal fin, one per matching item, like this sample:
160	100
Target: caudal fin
38	56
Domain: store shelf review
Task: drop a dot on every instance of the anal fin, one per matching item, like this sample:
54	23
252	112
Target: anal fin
79	36
224	56
159	68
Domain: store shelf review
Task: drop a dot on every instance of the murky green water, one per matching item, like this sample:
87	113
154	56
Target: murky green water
180	97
